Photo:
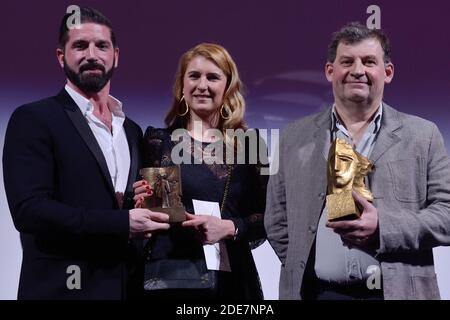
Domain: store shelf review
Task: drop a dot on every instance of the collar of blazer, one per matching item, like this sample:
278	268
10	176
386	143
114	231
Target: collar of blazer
78	120
387	137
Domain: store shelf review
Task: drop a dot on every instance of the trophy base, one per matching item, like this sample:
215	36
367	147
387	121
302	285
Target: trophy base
175	214
342	206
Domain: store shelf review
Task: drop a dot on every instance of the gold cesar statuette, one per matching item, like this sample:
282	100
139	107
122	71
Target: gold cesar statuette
346	171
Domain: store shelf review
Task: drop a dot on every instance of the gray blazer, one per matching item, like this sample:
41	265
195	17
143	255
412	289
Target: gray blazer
411	188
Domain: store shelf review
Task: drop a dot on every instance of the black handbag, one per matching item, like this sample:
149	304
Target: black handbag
178	274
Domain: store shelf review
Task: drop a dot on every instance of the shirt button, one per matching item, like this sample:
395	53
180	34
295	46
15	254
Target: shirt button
302	264
312	229
322	195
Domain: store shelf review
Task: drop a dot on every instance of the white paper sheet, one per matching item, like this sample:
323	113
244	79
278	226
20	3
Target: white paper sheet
216	255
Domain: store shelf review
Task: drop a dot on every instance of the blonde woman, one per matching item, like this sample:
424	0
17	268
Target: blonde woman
207	96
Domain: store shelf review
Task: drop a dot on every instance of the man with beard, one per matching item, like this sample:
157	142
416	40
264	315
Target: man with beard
386	253
69	163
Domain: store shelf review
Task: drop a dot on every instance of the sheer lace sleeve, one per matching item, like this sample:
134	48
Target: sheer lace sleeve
152	147
251	226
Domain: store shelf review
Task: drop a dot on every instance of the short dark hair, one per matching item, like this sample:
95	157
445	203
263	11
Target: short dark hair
87	14
355	32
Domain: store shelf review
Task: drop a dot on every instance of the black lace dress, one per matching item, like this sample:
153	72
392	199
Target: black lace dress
244	205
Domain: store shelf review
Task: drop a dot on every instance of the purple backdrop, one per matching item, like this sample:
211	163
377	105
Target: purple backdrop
279	46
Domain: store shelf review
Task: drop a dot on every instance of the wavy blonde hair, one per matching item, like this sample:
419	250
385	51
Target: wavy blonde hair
233	101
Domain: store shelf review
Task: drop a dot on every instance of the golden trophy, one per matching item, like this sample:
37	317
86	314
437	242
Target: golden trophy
166	185
346	171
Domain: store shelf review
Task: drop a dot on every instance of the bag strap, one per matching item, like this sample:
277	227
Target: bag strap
230	169
227	187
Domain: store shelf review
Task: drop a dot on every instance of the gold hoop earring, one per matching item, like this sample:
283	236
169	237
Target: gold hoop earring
187	107
222	114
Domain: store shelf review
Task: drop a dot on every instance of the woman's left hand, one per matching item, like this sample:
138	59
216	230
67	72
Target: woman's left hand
211	228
